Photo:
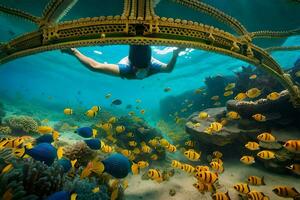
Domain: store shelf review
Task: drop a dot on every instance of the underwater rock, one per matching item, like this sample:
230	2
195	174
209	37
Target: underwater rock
81	152
280	111
5	130
21	124
229	134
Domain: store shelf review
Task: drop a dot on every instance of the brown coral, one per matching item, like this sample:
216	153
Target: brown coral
5	130
23	124
81	152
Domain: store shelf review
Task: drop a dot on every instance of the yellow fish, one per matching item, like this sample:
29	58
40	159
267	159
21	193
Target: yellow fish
120	129
142	111
252	146
44	129
176	164
187	168
259	117
267	155
255	195
233	115
242	188
143	164
68	111
216	127
136	150
203	187
112	120
255	180
90	113
146	149
155	174
254	76
96	108
217	160
135	169
60	152
55	135
96	189
192	155
11	143
292	146
221	196
154	157
153	142
171	148
230	86
106	127
129	154
228	93
217	167
253	93
132	143
189	143
217	154
240	96
273	96
130	134
215	98
248	160
106	148
163	142
287	192
200	168
206	176
266	137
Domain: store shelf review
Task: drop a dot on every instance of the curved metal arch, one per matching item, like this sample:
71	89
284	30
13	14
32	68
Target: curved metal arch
139	25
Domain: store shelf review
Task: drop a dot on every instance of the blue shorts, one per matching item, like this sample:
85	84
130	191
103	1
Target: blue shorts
127	70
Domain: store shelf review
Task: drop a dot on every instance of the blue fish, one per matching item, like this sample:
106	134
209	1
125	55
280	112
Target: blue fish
65	163
85	132
47	138
62	195
93	143
43	152
117	165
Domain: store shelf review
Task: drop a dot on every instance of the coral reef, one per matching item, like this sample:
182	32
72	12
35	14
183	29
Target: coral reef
31	179
21	124
6	130
83	189
81	152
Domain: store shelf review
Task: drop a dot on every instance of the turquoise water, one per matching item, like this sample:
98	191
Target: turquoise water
42	85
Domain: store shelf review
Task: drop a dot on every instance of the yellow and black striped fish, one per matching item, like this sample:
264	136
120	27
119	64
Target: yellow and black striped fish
206	176
11	143
242	187
266	155
255	180
155	174
170	147
292	146
176	164
200	168
287	192
221	196
255	195
217	167
192	155
204	187
188	168
266	137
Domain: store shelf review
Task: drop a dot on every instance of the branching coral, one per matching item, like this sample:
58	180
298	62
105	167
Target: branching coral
5	130
79	151
31	179
22	124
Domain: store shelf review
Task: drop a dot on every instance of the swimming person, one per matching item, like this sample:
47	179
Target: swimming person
138	65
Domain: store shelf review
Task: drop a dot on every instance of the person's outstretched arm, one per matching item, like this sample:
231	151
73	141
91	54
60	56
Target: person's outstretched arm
93	65
170	66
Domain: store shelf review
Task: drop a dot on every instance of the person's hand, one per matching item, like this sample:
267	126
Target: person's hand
70	51
178	50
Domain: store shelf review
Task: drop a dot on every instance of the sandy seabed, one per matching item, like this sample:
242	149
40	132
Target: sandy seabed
183	184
